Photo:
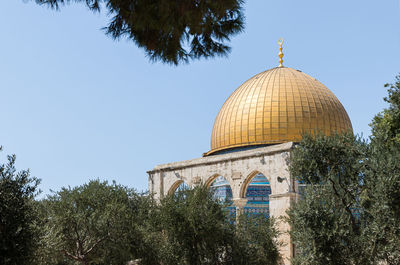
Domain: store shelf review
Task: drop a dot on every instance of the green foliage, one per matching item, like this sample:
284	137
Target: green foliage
96	223
17	214
386	125
325	226
336	161
168	30
381	203
104	224
257	237
350	213
382	197
190	228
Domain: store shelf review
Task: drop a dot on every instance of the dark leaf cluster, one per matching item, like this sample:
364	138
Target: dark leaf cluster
170	31
17	214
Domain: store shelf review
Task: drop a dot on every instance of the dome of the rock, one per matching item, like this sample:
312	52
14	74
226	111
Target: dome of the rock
277	106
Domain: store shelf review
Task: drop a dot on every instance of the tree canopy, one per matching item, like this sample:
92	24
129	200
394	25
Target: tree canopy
190	227
170	31
381	200
96	223
350	213
386	124
326	221
258	239
17	214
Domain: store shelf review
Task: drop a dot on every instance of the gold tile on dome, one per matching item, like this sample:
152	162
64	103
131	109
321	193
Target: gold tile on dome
276	106
266	130
275	138
293	131
283	125
274	131
275	120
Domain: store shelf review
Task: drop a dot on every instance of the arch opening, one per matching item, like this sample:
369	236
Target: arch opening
257	193
178	186
221	189
222	192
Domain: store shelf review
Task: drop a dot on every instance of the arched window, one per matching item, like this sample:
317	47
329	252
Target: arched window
257	195
179	185
222	192
182	187
221	189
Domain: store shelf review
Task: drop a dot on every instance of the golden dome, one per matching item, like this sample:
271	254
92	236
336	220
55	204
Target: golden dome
276	106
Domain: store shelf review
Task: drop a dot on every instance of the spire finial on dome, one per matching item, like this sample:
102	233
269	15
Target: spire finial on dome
280	42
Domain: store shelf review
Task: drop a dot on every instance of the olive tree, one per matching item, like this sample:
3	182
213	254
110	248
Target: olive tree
95	223
350	213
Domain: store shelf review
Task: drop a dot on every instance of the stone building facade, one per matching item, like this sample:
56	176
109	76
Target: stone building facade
251	140
238	168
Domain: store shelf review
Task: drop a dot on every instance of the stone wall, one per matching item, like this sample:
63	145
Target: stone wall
238	168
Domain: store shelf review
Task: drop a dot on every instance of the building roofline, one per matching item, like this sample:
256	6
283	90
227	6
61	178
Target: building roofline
268	150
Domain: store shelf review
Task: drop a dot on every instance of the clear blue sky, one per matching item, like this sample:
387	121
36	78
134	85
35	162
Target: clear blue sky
75	105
